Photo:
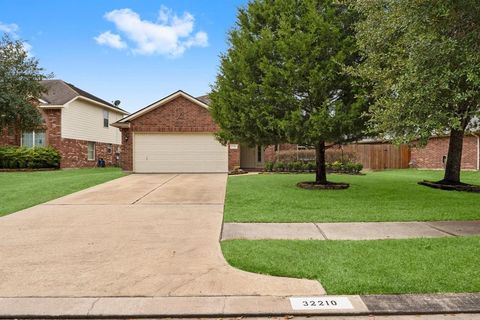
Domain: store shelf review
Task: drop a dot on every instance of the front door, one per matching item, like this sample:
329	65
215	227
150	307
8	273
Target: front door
251	157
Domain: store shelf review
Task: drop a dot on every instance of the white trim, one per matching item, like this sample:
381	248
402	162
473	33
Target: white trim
132	134
120	125
33	138
162	102
94	147
97	103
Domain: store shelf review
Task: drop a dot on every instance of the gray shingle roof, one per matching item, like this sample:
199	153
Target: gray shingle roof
60	92
205	99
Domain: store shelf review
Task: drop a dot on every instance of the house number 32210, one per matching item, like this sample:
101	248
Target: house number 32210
320	303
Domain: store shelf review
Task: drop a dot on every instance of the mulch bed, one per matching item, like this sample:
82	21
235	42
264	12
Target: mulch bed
311	185
451	187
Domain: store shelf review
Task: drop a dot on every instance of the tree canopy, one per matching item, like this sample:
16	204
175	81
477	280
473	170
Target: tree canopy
422	58
20	77
282	78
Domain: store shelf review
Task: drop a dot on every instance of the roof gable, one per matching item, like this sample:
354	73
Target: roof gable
59	92
160	103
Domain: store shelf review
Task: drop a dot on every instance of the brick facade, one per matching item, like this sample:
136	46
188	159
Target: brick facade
9	137
270	153
126	155
430	157
233	157
177	115
73	152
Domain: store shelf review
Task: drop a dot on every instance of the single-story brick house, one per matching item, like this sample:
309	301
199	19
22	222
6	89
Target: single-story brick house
76	123
176	134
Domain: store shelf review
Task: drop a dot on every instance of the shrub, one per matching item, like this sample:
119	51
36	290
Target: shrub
358	167
311	166
336	166
268	166
297	166
290	166
278	166
31	158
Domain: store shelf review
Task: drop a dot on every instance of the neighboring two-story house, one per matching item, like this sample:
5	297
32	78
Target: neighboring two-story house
76	123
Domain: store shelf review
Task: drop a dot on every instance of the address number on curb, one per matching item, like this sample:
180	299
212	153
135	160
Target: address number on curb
320	303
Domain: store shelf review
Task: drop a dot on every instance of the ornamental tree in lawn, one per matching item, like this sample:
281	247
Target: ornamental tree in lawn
283	80
422	58
20	77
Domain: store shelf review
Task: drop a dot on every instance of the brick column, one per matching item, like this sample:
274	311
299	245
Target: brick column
126	155
233	156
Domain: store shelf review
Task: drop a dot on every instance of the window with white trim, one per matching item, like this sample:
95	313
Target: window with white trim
91	151
109	148
105	118
32	139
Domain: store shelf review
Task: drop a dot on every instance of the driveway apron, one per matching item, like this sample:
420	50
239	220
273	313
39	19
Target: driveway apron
140	235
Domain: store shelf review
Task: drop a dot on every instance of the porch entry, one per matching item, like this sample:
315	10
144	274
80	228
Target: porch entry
252	157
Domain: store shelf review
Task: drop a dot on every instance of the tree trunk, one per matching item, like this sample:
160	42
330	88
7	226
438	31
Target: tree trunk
454	157
321	172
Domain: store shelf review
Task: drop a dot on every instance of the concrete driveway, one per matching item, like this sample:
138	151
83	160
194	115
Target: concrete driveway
141	235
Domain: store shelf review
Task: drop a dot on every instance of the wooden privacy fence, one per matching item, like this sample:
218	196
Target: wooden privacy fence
380	156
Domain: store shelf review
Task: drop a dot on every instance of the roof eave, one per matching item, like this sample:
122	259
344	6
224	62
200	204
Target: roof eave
120	125
100	104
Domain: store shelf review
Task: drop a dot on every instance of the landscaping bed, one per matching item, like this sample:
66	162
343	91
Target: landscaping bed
20	190
439	265
392	195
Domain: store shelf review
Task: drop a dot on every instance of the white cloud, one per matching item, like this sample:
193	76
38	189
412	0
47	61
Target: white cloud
171	35
110	39
12	30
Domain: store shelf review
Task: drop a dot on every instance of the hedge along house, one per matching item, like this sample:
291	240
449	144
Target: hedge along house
76	123
176	134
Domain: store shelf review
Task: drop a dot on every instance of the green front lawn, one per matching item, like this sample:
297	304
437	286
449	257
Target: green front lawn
392	195
20	190
366	267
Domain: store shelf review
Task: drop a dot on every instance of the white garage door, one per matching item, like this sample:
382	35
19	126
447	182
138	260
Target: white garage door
178	152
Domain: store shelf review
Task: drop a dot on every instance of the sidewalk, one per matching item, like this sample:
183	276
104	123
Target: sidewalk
350	231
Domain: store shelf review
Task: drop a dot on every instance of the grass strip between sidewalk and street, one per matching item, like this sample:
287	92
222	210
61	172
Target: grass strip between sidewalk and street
438	265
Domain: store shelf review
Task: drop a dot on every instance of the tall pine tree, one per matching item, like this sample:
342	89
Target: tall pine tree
283	80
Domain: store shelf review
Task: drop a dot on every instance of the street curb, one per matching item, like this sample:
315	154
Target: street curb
423	303
230	306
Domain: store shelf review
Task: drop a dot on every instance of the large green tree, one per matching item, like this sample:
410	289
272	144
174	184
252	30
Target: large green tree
20	77
423	61
282	78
